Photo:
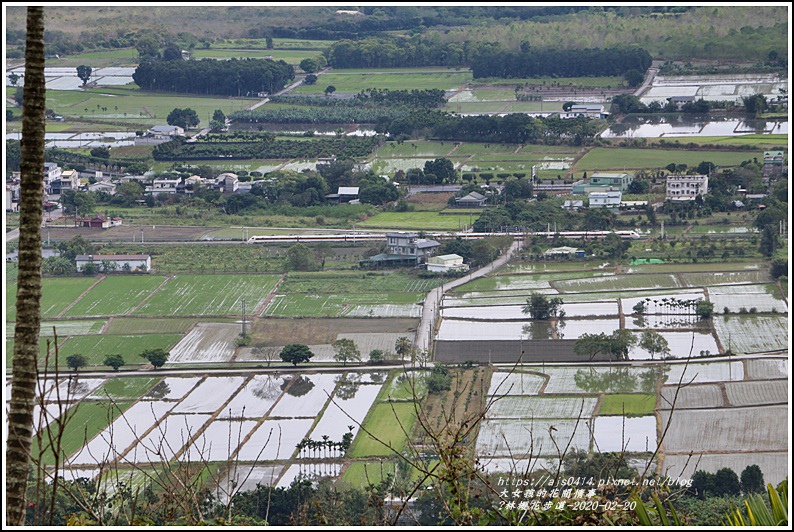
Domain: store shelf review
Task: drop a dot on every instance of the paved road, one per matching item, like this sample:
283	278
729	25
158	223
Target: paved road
424	333
647	83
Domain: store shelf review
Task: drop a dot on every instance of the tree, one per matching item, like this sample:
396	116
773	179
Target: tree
567	106
156	357
752	479
13	78
308	65
57	266
84	73
296	353
376	356
300	258
726	482
330	89
24	375
403	346
654	343
633	77
148	47
346	350
617	344
76	361
184	118
172	52
541	307
310	79
114	361
704	309
769	241
219	115
439	379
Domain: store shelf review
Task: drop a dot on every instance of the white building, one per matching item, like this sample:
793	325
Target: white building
590	110
230	182
446	263
167	131
135	262
686	187
605	198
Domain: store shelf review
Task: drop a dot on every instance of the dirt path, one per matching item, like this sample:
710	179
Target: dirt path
81	296
259	309
130	313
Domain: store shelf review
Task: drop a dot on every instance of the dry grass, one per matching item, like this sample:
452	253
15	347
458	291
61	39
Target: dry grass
277	332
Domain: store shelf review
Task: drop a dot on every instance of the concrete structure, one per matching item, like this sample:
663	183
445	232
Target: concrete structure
166	131
773	165
686	187
134	262
98	221
607	198
586	110
573	205
404	249
106	187
617	181
446	263
552	187
230	182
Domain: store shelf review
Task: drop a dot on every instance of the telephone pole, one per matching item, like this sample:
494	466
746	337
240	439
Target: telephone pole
243	333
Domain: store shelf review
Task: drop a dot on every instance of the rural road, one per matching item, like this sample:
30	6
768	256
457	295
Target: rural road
285	90
424	332
647	83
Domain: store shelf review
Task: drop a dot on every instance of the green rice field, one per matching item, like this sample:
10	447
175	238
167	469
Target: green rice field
56	295
605	159
115	295
351	81
149	325
417	221
125	388
355	282
96	348
633	404
390	422
208	295
331	305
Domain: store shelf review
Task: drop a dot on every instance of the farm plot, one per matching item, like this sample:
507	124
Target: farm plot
704	372
503	383
118	436
605	159
242	477
619	379
171	388
357	81
634	296
56	295
618	282
516	437
354	403
713	278
613	434
359	474
767	368
65	328
391	423
96	348
522	281
124	388
206	342
665	321
629	404
774	466
309	471
115	295
306	395
542	407
332	305
274	440
366	343
167	438
210	395
699	396
763	428
417	148
738	297
148	325
752	334
492	298
355	283
382	311
254	399
417	220
214	295
520	467
682	345
572	329
757	392
655	301
217	442
72	389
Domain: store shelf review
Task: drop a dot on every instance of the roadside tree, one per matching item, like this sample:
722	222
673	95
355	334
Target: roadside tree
76	362
654	343
84	73
114	361
156	357
346	350
296	353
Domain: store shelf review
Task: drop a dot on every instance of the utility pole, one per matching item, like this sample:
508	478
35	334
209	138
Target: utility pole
243	333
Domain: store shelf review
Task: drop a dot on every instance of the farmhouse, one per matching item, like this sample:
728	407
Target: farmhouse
563	252
446	263
607	198
686	187
98	221
600	180
472	199
166	131
773	165
590	110
120	262
344	195
404	249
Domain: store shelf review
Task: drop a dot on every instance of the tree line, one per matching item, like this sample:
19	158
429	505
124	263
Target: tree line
345	147
372	98
235	77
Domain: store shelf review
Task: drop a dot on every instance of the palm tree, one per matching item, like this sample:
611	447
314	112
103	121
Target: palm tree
28	306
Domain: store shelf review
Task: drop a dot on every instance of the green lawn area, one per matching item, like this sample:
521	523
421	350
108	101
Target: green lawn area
85	420
606	159
759	140
417	221
149	325
416	148
633	404
42	348
56	295
391	423
115	295
359	474
96	348
394	80
208	295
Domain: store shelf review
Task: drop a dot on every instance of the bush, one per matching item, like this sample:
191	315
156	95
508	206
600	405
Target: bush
439	380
